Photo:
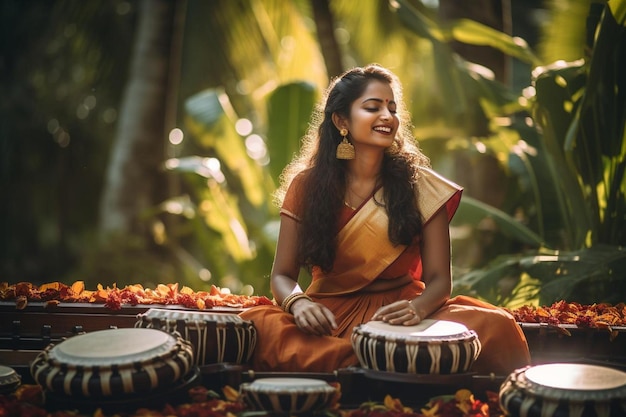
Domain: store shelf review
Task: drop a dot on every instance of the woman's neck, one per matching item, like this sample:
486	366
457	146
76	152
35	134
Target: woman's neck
365	168
361	181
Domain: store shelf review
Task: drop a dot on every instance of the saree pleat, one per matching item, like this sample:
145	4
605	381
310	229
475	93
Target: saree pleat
504	346
281	346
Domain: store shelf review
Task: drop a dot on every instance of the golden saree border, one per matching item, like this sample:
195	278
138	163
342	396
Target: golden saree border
363	249
362	254
434	192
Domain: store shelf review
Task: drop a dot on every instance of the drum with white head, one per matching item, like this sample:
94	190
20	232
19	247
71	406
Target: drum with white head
288	395
564	390
113	362
216	337
430	347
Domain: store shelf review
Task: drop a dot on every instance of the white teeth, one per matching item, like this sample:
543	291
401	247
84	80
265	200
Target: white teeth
383	129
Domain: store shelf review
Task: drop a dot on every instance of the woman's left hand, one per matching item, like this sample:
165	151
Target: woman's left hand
400	312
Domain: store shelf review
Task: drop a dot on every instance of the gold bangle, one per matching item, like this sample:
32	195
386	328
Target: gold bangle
290	299
287	300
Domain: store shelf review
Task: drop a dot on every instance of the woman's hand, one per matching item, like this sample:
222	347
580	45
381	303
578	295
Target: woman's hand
313	318
400	312
435	274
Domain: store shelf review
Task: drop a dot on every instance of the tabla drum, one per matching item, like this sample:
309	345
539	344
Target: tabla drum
113	362
287	395
430	347
9	380
564	390
216	337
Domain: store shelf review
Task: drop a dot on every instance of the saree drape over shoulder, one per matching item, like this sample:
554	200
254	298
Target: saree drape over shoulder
365	255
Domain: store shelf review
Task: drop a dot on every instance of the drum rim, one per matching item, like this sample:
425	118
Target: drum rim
467	335
187	316
264	386
519	380
8	376
170	347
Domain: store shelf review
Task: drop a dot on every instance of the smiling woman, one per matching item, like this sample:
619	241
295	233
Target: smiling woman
372	228
373	120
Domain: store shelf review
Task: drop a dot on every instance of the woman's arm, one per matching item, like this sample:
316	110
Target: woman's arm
436	275
285	270
310	317
436	272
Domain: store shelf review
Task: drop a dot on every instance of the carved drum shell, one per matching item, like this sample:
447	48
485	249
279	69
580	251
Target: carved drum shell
215	337
287	395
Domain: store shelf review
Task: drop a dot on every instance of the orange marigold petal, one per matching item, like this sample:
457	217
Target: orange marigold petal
186	290
78	287
392	403
230	393
215	290
21	302
464	395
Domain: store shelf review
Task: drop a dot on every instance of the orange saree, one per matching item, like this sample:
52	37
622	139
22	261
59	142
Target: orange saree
364	255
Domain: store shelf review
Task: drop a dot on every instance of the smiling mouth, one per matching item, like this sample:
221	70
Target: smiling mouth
382	129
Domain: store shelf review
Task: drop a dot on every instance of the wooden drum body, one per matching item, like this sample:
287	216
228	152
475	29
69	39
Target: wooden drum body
287	395
431	347
564	390
216	337
114	362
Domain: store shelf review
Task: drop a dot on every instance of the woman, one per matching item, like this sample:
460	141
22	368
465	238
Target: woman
363	212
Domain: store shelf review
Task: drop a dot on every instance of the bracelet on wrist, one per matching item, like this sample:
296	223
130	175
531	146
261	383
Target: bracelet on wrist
292	298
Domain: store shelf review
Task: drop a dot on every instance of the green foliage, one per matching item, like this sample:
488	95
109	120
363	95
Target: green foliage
230	231
559	150
125	260
459	82
473	211
61	80
289	109
221	184
570	165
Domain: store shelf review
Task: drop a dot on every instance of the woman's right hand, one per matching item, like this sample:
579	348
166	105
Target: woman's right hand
313	318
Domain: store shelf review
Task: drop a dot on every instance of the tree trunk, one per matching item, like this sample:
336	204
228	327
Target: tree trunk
325	27
132	175
492	13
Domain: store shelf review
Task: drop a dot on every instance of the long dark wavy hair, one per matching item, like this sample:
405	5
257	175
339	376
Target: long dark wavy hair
324	176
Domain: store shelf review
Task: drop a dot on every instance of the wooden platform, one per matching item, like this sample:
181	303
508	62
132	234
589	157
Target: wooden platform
24	333
570	343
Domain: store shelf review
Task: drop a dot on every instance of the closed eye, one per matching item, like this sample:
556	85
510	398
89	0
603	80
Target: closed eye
373	110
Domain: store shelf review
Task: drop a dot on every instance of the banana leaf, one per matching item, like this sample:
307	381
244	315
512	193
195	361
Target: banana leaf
472	211
210	119
596	139
557	88
591	275
475	33
588	276
502	282
289	110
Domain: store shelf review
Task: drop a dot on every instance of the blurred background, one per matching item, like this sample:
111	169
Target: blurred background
141	140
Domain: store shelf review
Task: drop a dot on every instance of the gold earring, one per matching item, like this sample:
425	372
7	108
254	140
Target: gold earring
345	150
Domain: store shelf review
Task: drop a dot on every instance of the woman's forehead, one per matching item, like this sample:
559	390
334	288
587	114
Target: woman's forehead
379	91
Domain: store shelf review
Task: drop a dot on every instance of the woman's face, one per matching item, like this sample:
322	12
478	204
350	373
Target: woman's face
373	119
